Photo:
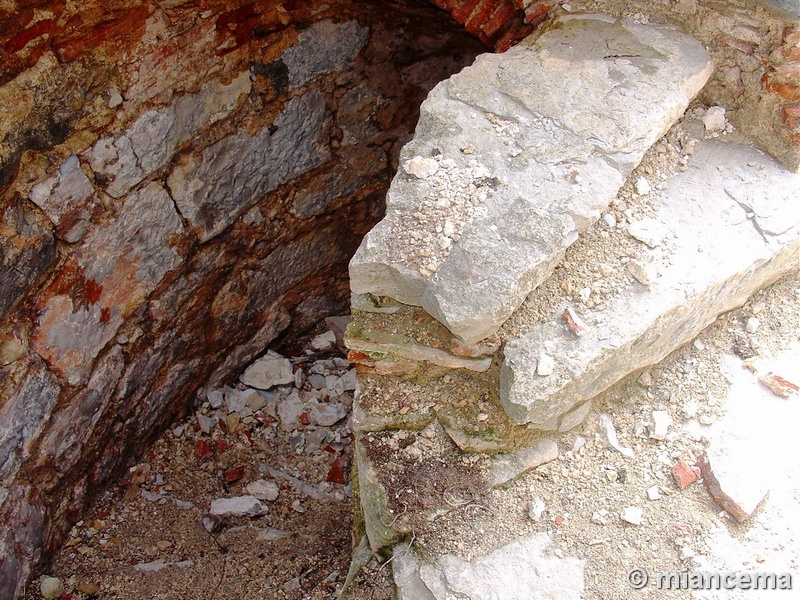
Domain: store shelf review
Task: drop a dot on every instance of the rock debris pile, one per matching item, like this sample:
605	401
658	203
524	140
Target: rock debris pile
249	495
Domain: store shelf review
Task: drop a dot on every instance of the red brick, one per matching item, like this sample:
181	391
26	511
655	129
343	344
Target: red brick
512	36
464	9
479	16
792	37
786	91
788	72
683	474
536	13
502	15
790	115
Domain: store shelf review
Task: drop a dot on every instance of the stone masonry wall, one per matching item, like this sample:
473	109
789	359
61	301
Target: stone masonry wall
181	185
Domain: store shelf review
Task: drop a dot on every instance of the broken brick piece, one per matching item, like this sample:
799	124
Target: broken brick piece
683	474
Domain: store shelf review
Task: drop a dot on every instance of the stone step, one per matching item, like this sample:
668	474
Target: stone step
722	229
517	155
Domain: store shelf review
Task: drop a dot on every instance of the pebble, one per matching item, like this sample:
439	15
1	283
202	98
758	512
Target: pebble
752	325
51	588
89	588
642	186
653	493
325	413
610	220
714	119
644	272
268	371
206	423
609	434
263	490
323	341
238	506
215	398
632	515
235	401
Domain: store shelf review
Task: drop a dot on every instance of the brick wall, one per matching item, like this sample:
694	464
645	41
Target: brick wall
181	186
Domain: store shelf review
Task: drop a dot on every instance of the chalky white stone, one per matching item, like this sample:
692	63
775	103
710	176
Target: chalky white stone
545	158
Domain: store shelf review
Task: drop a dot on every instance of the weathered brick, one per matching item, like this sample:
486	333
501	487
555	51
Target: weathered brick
790	115
502	14
786	91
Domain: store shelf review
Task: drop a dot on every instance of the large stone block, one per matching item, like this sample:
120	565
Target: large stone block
68	199
149	143
523	568
322	48
23	416
512	160
728	226
214	189
114	269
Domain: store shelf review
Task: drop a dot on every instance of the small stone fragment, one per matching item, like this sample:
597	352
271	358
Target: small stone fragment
642	186
325	413
51	588
263	490
660	422
600	517
235	401
232	422
215	398
714	119
234	474
89	588
653	493
632	515
545	366
752	325
268	371
323	341
683	474
536	508
206	423
778	385
610	220
609	434
574	322
238	506
422	168
644	272
646	379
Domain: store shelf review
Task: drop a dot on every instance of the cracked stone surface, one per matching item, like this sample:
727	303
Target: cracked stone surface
519	570
503	175
732	226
